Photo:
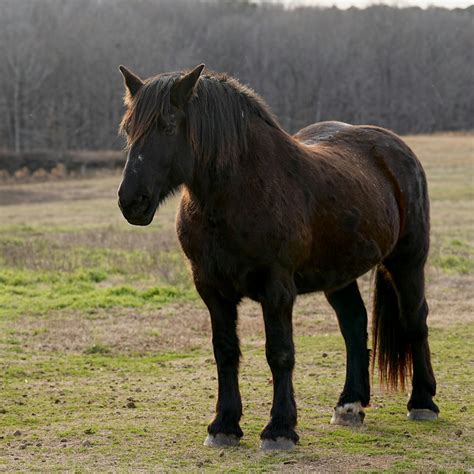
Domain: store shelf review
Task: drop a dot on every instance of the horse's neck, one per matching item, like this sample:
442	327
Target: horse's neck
270	152
274	150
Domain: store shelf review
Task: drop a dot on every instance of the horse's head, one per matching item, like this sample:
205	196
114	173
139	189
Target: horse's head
159	156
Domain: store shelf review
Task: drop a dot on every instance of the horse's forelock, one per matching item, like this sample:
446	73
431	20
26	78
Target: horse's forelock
151	103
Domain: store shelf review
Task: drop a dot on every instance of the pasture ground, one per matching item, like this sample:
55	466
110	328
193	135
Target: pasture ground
106	361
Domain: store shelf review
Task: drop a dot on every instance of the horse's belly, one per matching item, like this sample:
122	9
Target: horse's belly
309	280
336	262
349	240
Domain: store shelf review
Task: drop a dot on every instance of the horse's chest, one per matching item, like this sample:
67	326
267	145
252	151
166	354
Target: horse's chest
231	249
210	243
219	260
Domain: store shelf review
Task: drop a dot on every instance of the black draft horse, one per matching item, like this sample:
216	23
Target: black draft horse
268	216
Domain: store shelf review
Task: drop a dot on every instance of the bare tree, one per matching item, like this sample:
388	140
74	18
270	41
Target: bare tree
406	69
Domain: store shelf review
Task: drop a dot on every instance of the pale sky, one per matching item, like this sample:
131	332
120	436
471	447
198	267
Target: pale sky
364	3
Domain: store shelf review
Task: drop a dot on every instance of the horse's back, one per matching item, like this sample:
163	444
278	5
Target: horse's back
321	131
374	147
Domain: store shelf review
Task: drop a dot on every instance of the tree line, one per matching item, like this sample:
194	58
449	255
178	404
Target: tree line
407	69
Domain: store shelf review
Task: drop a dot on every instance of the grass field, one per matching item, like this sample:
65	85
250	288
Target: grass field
105	355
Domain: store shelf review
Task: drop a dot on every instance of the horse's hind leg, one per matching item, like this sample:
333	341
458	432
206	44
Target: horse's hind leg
352	317
407	276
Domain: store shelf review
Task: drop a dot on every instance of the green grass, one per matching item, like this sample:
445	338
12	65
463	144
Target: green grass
454	256
23	291
43	271
98	349
48	268
454	264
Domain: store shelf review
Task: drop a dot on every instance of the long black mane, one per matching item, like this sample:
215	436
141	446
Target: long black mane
217	116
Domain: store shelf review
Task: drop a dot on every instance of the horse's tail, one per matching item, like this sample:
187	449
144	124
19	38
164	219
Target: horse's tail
390	345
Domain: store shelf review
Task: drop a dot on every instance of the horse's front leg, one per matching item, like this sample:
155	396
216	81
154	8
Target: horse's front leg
224	430
277	304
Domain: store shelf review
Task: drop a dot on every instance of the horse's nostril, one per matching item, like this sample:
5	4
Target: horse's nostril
141	203
134	204
143	198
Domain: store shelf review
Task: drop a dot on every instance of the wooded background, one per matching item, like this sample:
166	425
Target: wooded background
407	69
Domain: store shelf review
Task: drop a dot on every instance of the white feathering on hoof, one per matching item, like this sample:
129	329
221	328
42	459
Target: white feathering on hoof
349	414
221	440
279	444
422	414
355	407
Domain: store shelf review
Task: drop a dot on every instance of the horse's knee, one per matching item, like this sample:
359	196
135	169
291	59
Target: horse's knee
280	357
226	354
278	300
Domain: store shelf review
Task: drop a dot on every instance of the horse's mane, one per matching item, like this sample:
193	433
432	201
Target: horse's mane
217	115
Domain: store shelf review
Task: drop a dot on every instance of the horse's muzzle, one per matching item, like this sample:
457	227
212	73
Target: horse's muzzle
138	210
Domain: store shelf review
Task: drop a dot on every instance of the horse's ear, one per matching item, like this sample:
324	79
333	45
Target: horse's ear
132	82
183	88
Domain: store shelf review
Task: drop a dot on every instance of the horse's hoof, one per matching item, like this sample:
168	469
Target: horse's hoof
422	414
221	440
282	444
349	414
